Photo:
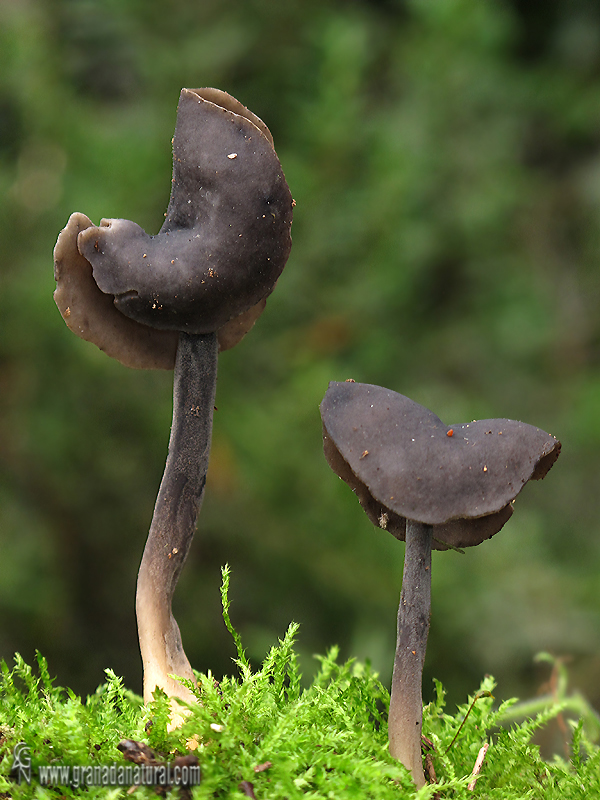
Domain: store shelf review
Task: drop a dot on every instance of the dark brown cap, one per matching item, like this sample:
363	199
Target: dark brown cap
226	236
404	463
91	314
224	243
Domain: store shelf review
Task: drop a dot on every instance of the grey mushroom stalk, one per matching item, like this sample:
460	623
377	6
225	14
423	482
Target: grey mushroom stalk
436	487
174	300
175	515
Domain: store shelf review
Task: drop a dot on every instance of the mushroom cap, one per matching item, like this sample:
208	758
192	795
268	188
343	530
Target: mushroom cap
226	236
404	463
92	315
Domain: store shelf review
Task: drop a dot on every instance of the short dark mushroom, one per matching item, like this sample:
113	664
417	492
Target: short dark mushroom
172	301
432	485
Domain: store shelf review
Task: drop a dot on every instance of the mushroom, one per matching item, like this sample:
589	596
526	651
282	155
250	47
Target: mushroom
432	485
174	300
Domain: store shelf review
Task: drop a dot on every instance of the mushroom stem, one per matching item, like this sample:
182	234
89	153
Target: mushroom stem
406	703
175	515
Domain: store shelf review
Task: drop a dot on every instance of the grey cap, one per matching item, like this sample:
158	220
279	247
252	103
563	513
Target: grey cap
226	236
404	463
223	245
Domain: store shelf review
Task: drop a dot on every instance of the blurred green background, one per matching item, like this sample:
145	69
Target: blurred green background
445	160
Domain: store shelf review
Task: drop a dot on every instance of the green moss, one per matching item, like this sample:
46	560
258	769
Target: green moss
262	732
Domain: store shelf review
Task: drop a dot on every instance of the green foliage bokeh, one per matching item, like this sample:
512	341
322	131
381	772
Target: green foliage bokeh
444	156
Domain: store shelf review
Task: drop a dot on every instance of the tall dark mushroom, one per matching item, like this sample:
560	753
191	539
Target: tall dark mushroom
432	485
172	301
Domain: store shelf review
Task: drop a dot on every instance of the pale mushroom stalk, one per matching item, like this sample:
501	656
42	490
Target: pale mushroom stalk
175	515
406	703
